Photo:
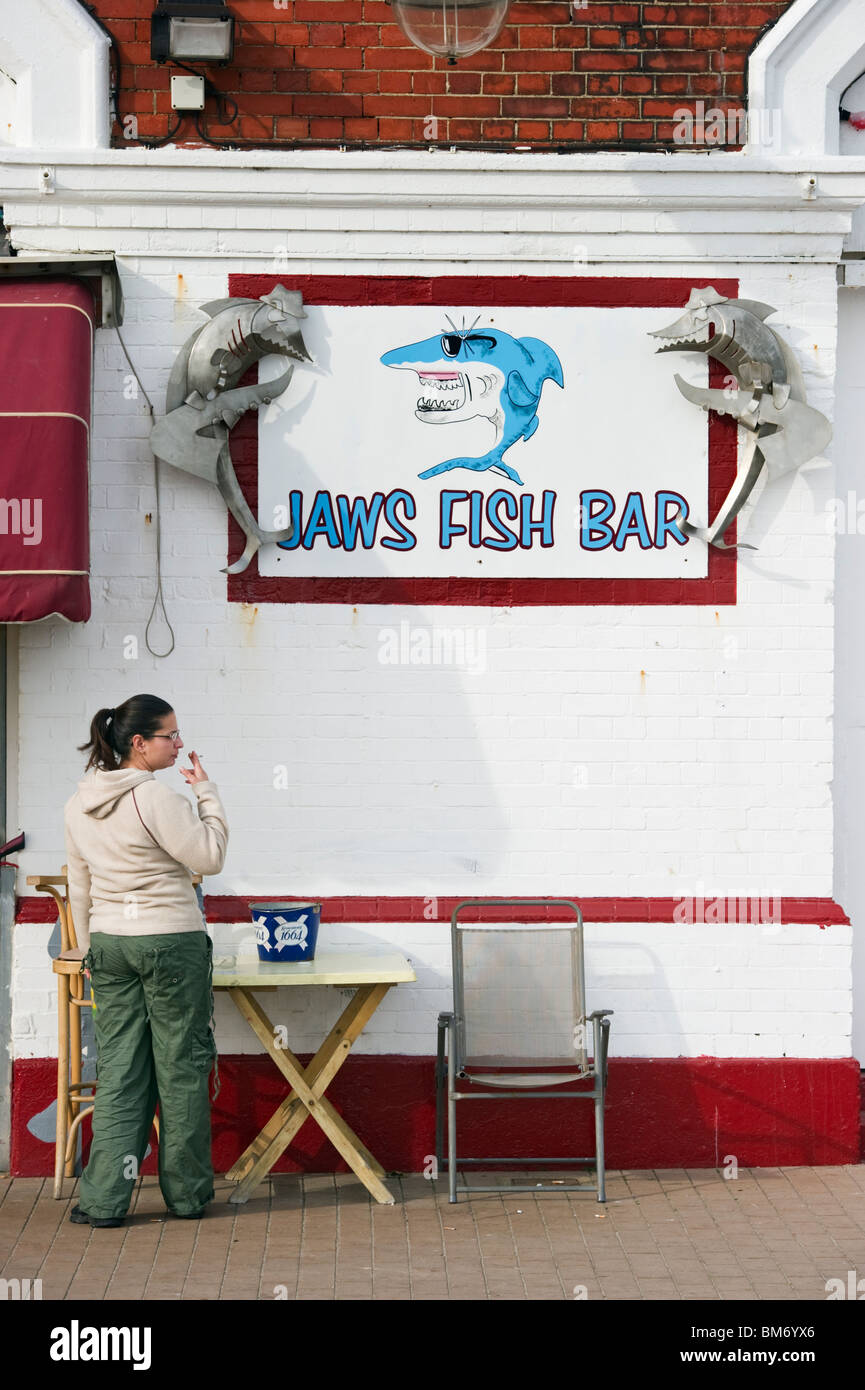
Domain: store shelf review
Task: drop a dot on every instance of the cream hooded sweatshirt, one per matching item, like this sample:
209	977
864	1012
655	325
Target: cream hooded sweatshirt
129	871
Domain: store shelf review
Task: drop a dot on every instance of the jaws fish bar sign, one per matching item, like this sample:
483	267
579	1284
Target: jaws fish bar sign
492	440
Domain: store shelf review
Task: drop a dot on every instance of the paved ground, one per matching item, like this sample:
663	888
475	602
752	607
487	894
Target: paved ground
673	1234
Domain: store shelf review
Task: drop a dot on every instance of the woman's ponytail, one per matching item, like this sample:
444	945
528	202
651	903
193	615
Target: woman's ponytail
103	753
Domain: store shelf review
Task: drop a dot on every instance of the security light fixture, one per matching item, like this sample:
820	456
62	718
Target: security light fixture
451	28
192	31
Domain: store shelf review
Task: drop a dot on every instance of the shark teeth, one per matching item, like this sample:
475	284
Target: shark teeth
447	393
671	341
439	384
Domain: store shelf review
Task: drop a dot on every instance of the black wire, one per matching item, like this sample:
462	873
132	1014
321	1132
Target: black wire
844	115
186	68
628	146
223	102
849	85
203	134
155	144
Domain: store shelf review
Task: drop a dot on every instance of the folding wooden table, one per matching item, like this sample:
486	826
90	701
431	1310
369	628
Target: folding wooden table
371	973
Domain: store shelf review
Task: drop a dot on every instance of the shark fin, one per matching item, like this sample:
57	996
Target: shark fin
216	306
545	359
753	306
530	427
519	391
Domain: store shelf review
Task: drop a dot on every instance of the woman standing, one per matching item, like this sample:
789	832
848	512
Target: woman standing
131	842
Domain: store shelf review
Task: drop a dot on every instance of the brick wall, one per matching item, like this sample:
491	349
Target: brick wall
342	72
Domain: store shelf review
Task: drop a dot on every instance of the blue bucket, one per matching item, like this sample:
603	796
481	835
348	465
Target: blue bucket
286	931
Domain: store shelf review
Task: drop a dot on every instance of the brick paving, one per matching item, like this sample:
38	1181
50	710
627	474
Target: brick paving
671	1234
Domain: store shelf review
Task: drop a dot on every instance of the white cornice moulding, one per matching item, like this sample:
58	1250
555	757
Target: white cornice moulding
304	178
468	208
329	206
171	158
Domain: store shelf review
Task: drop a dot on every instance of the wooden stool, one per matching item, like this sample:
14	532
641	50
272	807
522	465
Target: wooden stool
73	1094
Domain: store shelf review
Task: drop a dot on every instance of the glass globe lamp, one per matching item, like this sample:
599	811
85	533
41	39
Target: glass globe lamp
451	28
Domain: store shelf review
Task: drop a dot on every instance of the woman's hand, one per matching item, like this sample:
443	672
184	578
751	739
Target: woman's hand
195	773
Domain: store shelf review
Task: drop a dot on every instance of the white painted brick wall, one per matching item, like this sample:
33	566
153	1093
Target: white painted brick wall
655	750
738	990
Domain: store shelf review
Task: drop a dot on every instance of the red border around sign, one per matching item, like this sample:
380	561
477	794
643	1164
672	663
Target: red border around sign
719	587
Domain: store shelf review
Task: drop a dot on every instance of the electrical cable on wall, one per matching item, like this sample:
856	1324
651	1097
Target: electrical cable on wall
856	118
159	597
165	139
223	103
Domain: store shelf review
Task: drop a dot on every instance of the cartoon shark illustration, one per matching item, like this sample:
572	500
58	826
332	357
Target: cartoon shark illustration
466	373
782	431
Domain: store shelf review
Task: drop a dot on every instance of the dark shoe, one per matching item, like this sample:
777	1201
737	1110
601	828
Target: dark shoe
188	1215
80	1218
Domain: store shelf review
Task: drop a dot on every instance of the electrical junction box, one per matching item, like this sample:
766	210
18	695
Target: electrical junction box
187	93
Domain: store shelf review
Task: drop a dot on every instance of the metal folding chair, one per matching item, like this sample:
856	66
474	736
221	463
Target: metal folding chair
519	1009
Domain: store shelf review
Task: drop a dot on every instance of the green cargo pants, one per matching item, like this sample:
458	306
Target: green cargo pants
152	1006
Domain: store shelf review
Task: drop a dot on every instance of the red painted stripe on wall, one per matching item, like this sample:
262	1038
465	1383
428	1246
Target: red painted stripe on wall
666	1112
730	909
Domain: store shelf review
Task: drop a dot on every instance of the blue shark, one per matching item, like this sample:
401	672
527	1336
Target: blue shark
465	373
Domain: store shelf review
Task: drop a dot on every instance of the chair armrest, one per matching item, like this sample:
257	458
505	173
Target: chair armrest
445	1024
44	880
604	1040
601	1013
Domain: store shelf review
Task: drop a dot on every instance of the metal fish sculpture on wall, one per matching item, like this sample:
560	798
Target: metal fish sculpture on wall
782	430
203	401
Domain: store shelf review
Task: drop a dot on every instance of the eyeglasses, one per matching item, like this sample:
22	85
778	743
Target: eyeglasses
174	735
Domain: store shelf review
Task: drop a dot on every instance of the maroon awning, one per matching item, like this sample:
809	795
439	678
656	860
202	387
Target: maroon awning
46	364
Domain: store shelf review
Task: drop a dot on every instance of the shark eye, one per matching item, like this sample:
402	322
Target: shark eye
451	344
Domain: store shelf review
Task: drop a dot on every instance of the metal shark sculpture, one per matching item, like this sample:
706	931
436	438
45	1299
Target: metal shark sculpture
203	401
782	430
464	374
